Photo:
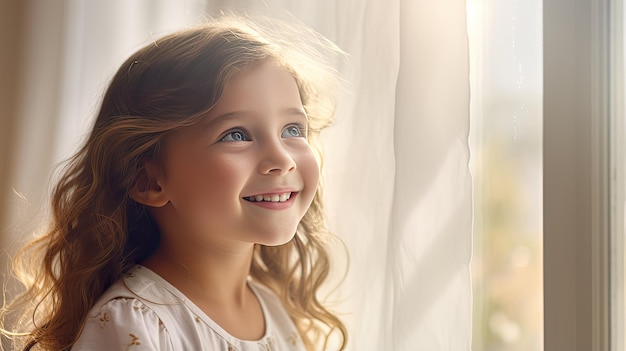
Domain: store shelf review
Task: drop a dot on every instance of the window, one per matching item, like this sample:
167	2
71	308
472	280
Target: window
505	40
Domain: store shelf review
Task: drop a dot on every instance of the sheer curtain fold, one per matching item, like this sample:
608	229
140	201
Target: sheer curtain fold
430	242
397	185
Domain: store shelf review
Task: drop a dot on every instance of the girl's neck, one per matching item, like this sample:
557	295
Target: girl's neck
215	277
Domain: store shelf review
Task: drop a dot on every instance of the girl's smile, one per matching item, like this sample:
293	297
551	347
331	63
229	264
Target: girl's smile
275	201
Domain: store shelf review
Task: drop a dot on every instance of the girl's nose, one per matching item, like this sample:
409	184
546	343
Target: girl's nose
276	160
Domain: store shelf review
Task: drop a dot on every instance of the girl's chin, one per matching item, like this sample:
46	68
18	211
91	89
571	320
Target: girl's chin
277	240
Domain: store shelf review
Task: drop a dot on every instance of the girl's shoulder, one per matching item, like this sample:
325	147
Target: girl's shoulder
123	319
144	311
137	313
123	323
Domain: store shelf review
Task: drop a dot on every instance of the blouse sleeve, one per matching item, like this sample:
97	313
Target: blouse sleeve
123	324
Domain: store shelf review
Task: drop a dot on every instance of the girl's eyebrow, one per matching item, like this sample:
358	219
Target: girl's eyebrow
295	111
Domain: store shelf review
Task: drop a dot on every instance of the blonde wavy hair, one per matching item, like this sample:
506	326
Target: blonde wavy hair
97	232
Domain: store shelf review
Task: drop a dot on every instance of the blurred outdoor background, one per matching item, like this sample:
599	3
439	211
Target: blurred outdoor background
505	39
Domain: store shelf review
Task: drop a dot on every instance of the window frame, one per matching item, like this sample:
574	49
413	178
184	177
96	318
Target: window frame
617	182
577	174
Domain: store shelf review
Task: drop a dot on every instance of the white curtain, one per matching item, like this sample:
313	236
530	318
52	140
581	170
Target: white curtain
398	188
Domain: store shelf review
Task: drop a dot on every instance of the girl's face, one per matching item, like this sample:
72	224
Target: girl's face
247	174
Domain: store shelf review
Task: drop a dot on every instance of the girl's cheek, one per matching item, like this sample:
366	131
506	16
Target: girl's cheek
310	169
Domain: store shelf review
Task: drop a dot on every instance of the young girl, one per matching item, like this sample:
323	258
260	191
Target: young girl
192	217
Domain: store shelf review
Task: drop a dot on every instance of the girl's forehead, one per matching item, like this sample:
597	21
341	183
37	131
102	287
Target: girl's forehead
267	85
265	73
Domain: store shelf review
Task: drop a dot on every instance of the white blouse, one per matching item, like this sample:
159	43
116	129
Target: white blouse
144	312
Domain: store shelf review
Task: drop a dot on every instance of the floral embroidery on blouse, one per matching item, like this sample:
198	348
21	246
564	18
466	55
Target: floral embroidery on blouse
129	275
270	343
134	341
293	338
104	319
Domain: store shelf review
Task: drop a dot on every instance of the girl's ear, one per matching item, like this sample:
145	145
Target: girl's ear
148	190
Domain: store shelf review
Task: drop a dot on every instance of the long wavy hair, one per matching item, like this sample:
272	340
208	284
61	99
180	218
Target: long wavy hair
97	231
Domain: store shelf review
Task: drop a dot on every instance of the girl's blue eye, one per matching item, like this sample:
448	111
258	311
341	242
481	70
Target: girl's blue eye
293	132
235	136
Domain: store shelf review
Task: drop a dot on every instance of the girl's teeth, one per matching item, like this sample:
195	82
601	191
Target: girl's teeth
271	198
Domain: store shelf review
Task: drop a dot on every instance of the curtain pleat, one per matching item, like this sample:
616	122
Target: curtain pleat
430	241
397	184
